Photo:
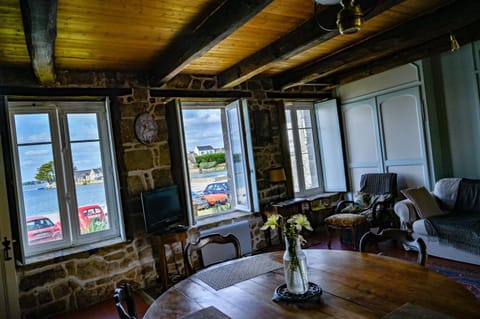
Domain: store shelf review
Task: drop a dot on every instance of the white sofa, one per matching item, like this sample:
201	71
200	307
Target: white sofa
445	194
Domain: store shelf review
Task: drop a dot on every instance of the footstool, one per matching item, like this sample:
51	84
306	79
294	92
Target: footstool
344	221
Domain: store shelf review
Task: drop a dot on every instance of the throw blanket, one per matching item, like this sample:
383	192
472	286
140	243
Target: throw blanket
462	227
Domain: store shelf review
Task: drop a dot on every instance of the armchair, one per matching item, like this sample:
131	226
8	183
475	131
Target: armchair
375	199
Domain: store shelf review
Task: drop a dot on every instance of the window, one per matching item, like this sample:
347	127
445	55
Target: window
315	147
65	177
217	157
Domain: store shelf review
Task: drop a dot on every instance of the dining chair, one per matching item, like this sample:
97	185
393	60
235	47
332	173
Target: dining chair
402	236
197	246
125	302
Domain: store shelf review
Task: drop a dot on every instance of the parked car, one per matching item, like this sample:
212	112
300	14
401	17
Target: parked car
89	214
41	229
200	200
214	199
217	188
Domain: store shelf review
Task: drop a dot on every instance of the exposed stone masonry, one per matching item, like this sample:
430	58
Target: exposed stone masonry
79	280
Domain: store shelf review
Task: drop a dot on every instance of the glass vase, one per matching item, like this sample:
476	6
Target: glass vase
295	267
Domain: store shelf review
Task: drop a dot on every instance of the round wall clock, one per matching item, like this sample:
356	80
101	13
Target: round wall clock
146	128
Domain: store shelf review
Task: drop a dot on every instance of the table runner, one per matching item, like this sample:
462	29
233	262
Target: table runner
207	313
231	274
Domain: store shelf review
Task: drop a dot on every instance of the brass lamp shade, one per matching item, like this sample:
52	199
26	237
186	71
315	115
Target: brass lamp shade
277	175
350	18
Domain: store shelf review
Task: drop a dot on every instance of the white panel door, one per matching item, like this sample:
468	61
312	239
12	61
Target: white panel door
361	139
403	142
8	285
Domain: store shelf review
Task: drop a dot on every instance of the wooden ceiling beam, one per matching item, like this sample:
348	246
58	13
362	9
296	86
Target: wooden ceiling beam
220	24
305	37
413	33
40	27
467	34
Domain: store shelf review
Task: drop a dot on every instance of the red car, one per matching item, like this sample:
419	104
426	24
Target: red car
88	214
213	199
41	229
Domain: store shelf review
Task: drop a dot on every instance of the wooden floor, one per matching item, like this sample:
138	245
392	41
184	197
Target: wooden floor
318	239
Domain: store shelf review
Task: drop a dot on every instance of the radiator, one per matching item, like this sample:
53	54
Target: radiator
215	253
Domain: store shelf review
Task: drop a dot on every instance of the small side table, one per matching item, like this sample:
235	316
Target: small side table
167	239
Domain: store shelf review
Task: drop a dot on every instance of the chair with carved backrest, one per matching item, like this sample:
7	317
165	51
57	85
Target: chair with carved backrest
125	302
400	236
204	241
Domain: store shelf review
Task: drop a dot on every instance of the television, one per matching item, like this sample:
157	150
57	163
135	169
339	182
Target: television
162	209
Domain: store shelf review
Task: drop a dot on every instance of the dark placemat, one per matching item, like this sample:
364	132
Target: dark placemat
231	274
313	294
207	313
409	310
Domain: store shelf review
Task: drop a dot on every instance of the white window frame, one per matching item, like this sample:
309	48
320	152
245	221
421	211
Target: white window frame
252	202
327	182
71	241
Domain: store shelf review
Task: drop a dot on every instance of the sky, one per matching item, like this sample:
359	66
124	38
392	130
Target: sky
202	127
35	143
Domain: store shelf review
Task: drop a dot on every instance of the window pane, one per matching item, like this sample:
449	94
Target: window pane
293	160
308	158
206	160
39	194
89	187
83	126
32	128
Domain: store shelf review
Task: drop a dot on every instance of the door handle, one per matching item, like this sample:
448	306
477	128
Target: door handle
6	248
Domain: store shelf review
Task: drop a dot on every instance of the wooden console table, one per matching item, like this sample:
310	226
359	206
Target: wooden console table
167	239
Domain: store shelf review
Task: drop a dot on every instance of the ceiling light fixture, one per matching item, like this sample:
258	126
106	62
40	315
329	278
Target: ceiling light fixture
454	43
349	18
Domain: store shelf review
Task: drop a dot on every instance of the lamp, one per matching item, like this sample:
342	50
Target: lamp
277	175
454	43
349	18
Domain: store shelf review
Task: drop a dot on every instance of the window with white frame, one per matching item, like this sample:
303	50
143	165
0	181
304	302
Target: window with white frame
218	157
66	181
315	147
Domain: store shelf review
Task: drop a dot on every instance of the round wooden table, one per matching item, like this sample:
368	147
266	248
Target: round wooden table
355	285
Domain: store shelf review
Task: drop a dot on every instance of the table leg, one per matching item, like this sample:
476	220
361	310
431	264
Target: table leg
329	233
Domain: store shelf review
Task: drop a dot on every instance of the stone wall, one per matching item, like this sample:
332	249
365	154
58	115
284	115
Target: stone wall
76	281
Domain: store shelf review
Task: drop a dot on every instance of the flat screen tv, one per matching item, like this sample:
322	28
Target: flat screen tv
161	209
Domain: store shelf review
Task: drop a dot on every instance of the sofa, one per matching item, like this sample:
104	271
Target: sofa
448	218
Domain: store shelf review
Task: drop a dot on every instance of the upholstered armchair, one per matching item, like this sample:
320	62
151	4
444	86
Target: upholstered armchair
375	199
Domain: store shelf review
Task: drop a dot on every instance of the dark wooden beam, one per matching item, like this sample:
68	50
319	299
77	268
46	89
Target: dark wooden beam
224	21
307	36
200	93
410	34
467	34
40	28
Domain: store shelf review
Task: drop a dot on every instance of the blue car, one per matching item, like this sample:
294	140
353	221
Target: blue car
217	188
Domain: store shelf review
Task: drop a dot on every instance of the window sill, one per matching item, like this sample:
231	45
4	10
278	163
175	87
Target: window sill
69	252
216	218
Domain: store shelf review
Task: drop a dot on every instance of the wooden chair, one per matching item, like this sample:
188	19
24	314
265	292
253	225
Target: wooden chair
204	241
125	302
402	236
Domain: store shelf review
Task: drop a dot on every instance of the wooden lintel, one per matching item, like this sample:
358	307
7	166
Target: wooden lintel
200	93
40	26
224	21
411	34
305	37
63	92
299	95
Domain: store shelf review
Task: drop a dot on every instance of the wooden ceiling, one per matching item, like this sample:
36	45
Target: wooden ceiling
233	40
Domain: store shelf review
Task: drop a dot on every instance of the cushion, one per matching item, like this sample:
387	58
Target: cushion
345	220
424	202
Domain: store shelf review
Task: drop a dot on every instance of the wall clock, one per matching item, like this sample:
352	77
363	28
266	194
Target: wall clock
146	128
